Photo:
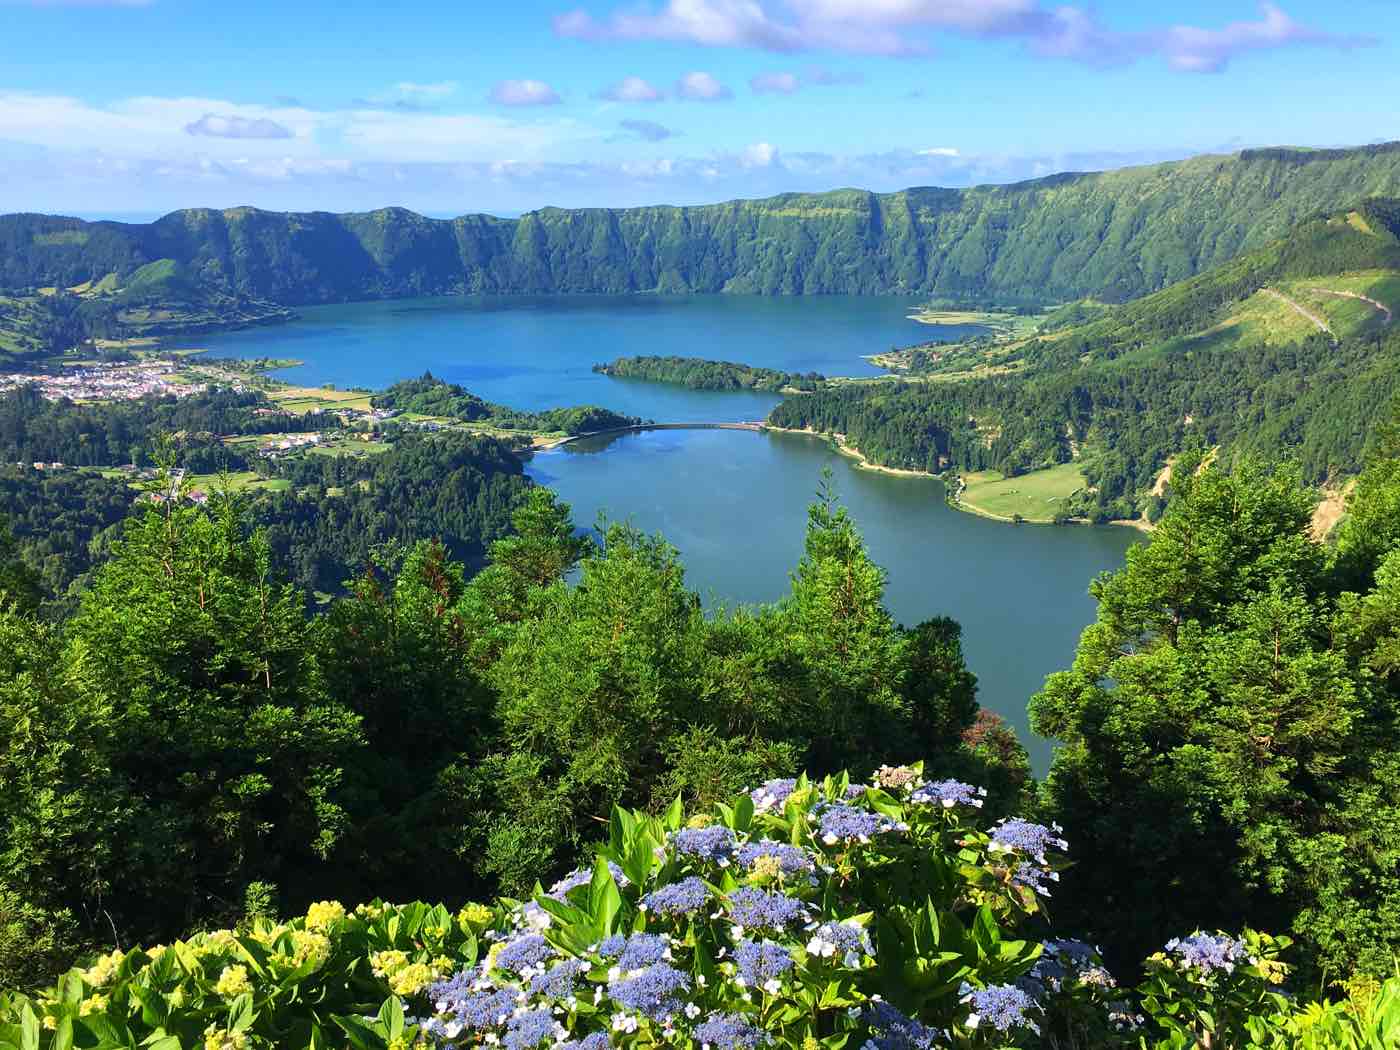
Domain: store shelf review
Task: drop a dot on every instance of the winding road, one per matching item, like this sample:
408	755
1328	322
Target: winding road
1321	324
1355	295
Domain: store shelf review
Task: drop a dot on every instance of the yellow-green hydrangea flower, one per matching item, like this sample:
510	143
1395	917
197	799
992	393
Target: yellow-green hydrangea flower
233	982
411	979
93	1004
216	1038
388	963
475	915
310	947
102	971
324	914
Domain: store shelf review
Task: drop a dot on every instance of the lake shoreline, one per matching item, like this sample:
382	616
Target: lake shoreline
838	442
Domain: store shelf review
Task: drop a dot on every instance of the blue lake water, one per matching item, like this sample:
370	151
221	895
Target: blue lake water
733	502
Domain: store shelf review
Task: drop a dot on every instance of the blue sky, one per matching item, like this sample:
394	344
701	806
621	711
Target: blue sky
143	106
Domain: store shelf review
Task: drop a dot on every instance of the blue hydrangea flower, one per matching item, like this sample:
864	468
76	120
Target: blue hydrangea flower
596	1041
845	940
1209	952
714	844
1034	878
635	952
1003	1006
762	963
841	823
655	991
559	981
949	793
1063	963
792	860
728	1032
758	909
582	877
772	794
480	1010
525	954
528	1030
891	1030
855	791
572	881
679	898
1022	836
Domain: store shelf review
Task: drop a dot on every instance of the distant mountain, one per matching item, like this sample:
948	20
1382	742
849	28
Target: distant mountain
1113	236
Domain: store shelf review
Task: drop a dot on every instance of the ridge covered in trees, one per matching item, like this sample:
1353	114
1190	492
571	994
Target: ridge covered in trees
1224	359
1114	235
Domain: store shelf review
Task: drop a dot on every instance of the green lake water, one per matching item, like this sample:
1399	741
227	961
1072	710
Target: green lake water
733	502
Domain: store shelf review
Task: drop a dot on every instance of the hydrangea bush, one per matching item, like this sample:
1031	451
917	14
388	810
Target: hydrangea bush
803	915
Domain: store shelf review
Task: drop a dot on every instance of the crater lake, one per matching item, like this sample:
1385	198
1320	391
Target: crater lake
733	502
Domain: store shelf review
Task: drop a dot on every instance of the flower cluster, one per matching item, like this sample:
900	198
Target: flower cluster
1032	840
678	898
582	877
844	824
751	908
892	1030
741	930
775	859
728	1032
1003	1006
843	940
715	844
772	795
949	793
1067	962
1206	952
761	964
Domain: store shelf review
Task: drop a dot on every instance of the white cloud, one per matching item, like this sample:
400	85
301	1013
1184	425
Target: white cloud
775	83
906	27
225	132
759	155
701	87
217	126
633	89
524	93
939	151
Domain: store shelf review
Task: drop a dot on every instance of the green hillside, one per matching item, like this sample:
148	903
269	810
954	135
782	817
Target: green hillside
1114	236
1288	350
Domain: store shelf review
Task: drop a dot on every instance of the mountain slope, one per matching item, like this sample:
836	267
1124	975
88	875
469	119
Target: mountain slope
1273	353
1114	235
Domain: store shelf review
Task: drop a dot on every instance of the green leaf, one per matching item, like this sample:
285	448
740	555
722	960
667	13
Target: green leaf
391	1017
604	898
361	1035
675	814
28	1028
63	1035
241	1014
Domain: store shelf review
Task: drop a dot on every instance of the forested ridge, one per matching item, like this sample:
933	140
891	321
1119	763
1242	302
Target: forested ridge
1219	360
1114	235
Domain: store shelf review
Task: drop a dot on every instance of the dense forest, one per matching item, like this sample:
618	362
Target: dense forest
1114	235
430	396
709	375
192	746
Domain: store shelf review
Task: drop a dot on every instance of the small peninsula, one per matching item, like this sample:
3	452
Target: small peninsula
697	374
